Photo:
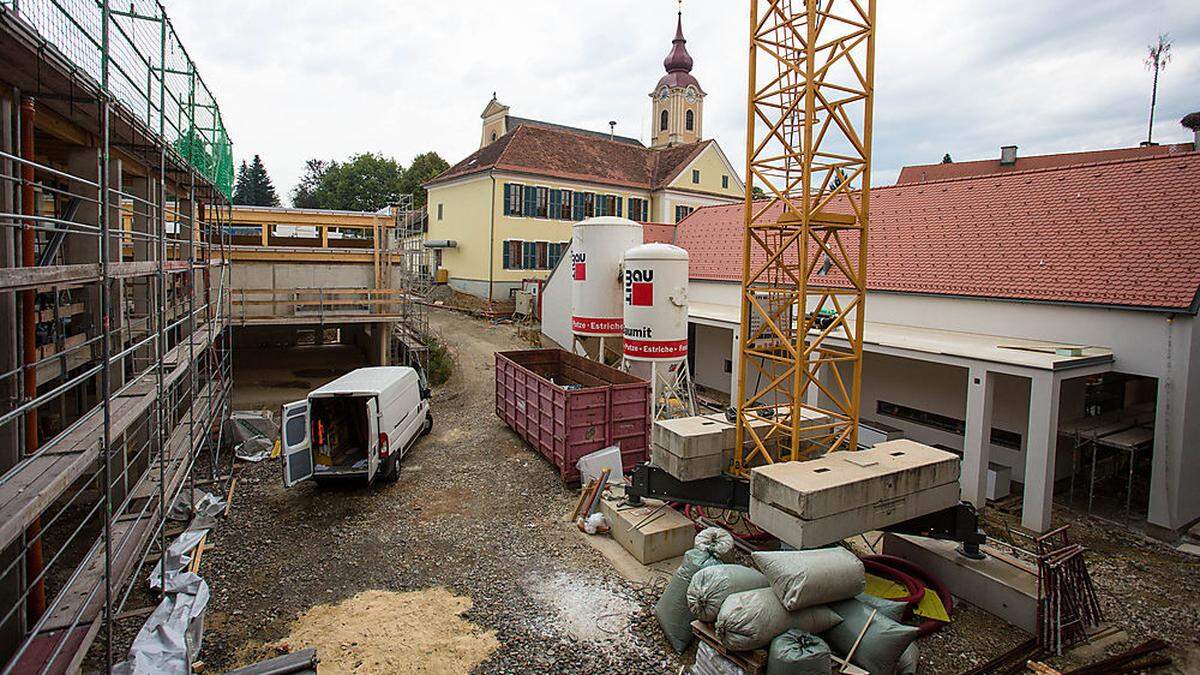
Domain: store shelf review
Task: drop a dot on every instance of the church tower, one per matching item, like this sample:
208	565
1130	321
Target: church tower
677	102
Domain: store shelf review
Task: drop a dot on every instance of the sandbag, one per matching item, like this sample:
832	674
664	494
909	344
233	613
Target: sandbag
796	652
806	578
751	619
672	607
715	540
711	585
892	609
881	647
909	658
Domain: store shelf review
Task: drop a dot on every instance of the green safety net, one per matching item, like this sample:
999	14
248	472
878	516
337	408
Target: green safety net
143	68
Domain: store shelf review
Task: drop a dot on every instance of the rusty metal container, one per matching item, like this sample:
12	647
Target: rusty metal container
567	406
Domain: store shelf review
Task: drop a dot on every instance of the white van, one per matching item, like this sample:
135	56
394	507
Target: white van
360	424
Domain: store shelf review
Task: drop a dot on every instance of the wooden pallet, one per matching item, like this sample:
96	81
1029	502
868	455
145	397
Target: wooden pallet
753	662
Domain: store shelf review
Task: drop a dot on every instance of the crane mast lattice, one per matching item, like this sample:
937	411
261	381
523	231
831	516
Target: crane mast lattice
808	149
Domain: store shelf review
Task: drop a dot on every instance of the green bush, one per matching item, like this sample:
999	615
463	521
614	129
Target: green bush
441	361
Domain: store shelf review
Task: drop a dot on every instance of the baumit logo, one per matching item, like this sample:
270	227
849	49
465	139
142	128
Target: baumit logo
579	266
639	287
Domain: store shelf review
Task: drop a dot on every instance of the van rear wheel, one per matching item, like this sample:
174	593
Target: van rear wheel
391	473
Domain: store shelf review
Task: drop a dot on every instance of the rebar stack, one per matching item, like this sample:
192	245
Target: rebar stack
1067	607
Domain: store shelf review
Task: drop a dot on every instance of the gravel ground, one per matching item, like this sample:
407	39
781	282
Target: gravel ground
475	512
480	514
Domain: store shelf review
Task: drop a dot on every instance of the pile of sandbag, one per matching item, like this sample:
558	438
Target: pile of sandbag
803	606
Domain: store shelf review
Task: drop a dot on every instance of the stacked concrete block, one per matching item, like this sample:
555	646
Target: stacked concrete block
818	502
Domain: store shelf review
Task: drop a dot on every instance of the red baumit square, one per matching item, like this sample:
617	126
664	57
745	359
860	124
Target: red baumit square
580	271
642	294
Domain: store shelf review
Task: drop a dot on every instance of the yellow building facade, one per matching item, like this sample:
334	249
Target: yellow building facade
505	213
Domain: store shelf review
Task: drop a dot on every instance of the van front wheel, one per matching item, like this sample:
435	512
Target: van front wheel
428	424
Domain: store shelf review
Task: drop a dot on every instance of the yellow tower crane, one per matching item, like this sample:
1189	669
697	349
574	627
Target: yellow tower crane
808	175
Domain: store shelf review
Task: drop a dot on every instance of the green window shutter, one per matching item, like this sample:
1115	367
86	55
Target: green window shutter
619	200
577	212
555	204
507	201
507	257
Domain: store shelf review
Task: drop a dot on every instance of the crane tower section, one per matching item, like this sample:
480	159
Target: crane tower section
808	150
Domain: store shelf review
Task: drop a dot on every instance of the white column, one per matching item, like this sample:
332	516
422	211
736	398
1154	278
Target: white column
981	390
735	360
1040	449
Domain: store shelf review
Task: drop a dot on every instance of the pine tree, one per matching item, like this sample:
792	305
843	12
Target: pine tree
254	187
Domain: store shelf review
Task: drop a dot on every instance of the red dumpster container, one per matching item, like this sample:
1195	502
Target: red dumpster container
567	406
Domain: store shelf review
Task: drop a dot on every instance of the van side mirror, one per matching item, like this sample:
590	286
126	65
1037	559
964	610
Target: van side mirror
426	392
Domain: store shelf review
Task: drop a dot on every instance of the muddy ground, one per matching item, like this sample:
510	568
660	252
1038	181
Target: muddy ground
479	514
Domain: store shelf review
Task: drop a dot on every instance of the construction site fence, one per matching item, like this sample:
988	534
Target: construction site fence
129	52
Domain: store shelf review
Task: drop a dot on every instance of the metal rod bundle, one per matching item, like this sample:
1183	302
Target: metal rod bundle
1067	604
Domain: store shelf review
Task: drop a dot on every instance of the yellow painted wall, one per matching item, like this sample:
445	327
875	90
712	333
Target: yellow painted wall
466	218
711	169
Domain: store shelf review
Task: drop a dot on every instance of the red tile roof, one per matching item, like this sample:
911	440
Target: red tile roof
920	173
1121	233
566	154
658	233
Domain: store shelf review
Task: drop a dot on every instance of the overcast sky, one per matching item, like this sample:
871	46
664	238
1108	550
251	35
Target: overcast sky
304	78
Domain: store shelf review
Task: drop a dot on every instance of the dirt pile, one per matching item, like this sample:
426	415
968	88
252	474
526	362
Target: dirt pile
384	632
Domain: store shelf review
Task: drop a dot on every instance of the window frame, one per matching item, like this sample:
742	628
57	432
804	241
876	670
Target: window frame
695	176
689	120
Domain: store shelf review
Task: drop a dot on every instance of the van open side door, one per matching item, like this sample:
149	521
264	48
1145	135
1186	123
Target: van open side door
295	444
372	437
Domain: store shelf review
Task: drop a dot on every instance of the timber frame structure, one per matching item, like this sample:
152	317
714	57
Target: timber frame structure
808	148
115	338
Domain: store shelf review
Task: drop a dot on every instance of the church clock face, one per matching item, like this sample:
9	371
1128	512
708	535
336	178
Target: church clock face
690	95
662	94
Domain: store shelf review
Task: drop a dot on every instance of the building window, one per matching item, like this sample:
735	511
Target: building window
589	204
564	210
542	208
682	212
662	121
439	211
953	425
690	120
512	199
493	136
695	175
532	255
637	209
725	182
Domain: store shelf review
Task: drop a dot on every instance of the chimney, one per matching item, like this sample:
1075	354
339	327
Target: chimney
1192	121
612	129
1008	155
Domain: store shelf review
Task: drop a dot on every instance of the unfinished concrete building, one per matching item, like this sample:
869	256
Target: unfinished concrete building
115	171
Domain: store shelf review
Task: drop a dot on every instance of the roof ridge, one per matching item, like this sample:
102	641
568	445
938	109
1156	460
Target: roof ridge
1044	169
993	160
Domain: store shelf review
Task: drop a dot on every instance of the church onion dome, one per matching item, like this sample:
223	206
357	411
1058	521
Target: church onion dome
678	63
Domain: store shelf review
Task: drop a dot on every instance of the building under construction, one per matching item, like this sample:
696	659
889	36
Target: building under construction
115	175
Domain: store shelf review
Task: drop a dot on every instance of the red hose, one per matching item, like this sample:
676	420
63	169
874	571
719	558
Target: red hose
902	566
916	589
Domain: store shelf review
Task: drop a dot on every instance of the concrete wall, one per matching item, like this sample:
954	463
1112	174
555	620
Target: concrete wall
713	346
284	275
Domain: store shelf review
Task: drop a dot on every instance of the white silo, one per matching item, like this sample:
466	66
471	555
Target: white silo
597	248
655	280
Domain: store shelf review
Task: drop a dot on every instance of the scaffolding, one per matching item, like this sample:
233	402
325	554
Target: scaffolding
416	279
115	367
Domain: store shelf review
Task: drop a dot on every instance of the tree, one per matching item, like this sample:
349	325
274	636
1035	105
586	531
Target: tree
424	167
946	159
365	182
758	193
304	195
1157	57
254	187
